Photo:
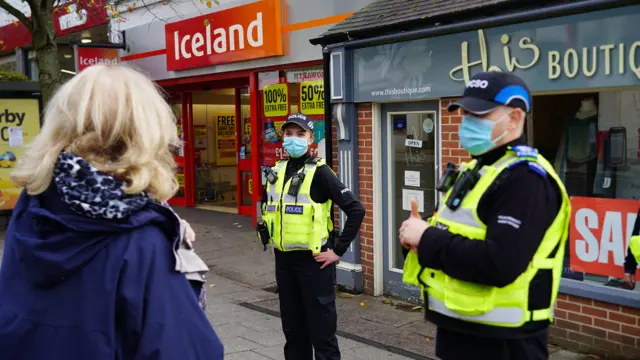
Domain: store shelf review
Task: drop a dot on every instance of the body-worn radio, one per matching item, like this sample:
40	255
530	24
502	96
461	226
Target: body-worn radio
296	184
466	181
263	233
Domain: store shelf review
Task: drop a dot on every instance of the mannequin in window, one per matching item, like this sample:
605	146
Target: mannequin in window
580	158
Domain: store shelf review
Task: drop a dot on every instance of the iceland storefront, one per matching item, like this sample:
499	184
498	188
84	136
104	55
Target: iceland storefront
390	95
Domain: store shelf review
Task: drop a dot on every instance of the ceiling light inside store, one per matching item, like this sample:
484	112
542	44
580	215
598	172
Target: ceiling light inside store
67	71
85	41
68	56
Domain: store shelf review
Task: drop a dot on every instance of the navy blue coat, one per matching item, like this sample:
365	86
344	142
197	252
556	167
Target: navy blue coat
72	287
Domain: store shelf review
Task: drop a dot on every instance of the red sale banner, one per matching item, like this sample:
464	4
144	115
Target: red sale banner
600	232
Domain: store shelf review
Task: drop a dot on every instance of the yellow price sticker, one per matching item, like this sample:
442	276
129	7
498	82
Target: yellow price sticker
250	185
180	178
312	97
276	100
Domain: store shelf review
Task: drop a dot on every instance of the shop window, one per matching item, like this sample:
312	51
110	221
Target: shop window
280	96
593	140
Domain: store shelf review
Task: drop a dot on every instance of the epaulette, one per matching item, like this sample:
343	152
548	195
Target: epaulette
314	160
529	155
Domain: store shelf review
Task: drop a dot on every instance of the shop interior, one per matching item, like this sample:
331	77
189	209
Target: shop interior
214	132
592	139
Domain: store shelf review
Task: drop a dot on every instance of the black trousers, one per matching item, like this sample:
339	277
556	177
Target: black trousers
452	345
307	306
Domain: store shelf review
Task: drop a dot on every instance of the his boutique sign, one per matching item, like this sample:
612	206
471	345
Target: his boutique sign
557	54
241	33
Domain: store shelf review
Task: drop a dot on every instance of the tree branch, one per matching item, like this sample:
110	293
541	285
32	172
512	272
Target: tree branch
17	14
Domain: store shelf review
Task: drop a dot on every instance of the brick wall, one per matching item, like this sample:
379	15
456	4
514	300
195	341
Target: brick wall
365	183
596	327
451	149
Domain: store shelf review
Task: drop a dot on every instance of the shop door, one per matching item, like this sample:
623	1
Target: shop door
182	106
411	158
243	151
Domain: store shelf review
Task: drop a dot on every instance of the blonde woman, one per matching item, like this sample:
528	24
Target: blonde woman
89	268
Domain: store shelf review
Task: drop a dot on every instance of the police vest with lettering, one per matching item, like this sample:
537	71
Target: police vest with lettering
507	306
297	222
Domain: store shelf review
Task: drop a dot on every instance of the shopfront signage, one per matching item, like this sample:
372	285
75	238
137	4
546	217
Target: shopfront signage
241	33
276	100
86	57
556	54
73	18
312	97
599	235
68	18
296	76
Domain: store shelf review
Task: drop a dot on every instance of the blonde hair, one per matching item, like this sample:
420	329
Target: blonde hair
115	118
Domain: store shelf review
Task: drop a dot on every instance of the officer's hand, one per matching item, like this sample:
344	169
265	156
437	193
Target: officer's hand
412	229
327	257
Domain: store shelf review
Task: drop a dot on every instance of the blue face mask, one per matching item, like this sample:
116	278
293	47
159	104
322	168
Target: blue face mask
475	134
295	146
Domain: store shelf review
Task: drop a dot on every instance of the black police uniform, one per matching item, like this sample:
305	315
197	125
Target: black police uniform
306	292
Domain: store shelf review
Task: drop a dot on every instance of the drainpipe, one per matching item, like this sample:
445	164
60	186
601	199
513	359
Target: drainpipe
571	8
328	114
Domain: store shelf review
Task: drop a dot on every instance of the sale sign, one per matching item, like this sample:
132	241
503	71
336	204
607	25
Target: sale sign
241	33
276	100
88	56
312	97
599	235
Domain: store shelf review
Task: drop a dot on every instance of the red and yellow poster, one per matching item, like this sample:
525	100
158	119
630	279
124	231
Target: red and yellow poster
225	125
19	125
599	235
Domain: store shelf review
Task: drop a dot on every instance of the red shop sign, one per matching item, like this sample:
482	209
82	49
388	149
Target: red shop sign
241	33
87	56
69	18
600	232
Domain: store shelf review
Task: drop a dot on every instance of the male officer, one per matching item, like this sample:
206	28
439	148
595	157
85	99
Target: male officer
489	261
297	211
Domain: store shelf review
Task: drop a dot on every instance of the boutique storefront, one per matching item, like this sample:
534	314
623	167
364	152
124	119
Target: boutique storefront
584	72
233	70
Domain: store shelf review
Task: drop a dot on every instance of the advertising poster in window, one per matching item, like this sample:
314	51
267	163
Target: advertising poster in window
600	233
272	142
200	137
225	138
19	125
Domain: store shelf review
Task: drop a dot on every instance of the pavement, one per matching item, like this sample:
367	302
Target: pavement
244	309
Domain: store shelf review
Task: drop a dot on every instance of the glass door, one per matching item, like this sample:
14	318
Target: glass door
410	139
243	147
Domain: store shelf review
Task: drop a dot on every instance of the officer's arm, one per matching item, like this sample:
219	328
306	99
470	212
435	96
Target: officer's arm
630	263
335	191
517	216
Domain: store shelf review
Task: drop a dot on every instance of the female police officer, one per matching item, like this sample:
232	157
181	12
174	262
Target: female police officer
297	205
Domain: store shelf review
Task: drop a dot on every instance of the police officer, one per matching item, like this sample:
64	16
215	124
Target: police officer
489	261
297	209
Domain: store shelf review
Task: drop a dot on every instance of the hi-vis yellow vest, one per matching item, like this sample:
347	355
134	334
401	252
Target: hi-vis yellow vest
634	246
488	305
296	222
